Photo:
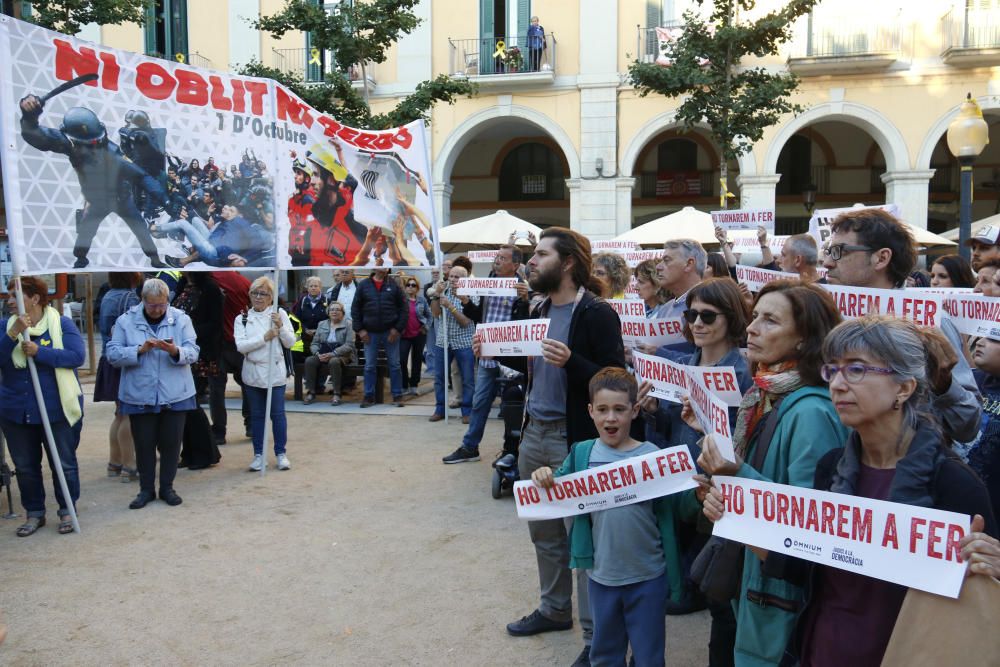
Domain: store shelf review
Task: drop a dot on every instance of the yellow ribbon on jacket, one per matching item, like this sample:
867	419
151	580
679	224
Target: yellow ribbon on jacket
69	386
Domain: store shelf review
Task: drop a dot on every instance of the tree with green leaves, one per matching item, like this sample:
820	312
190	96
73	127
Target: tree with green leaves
355	33
705	66
69	16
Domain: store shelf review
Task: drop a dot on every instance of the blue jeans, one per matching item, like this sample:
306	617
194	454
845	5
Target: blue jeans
631	614
196	232
257	397
375	340
466	367
482	401
26	442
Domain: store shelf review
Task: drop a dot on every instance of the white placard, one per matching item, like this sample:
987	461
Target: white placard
636	257
482	256
943	290
638	331
487	287
750	218
628	307
612	246
712	415
756	278
911	546
919	307
974	314
512	339
670	380
748	243
617	484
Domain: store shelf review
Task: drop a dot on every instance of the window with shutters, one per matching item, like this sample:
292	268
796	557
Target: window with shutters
532	171
166	29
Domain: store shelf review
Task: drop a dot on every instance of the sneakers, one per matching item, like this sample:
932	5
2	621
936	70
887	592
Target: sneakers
461	455
283	462
308	400
258	463
536	623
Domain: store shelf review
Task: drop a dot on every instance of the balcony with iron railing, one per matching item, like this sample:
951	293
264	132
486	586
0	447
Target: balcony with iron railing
520	59
971	37
647	44
314	64
844	44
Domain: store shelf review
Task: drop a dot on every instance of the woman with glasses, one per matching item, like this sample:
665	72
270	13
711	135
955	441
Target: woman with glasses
154	346
414	337
262	337
790	399
878	369
612	270
332	351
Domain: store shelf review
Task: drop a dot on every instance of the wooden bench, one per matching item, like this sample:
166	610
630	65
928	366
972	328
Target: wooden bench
358	370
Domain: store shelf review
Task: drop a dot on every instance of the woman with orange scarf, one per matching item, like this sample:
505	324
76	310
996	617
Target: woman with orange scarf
785	337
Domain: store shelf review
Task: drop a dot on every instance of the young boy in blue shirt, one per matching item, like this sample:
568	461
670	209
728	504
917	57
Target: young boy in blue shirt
631	551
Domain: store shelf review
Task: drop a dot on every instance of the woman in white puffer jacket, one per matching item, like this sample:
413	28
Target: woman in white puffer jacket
262	335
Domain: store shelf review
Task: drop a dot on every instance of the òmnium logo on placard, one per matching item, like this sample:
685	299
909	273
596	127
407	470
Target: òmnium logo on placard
846	556
582	506
803	547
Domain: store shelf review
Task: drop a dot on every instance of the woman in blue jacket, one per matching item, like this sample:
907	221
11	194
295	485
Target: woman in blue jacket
155	345
57	347
790	320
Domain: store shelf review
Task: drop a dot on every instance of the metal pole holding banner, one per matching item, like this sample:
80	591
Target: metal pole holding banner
447	365
40	399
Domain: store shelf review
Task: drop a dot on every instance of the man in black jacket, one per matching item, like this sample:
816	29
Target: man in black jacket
378	315
584	337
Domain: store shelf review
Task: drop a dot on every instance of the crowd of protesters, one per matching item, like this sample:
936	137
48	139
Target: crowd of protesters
875	407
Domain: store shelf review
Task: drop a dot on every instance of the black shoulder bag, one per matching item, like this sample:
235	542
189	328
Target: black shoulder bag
718	568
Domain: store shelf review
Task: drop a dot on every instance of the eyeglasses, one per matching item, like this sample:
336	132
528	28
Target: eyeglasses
837	250
411	284
707	316
260	295
157	306
853	372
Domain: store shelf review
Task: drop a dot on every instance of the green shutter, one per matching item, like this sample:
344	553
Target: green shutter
178	28
313	71
523	20
149	29
486	40
654	13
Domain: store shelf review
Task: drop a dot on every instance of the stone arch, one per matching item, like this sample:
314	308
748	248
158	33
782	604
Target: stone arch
467	129
886	135
656	126
941	126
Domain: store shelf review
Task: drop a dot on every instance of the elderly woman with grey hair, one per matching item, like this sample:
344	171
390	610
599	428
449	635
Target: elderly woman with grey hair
612	270
154	345
878	369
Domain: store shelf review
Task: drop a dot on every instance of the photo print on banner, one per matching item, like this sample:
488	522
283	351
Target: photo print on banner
115	160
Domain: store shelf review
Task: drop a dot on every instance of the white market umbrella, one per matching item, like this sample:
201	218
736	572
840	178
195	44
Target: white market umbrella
952	234
687	223
486	233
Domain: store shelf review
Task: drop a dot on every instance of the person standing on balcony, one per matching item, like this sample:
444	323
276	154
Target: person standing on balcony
536	44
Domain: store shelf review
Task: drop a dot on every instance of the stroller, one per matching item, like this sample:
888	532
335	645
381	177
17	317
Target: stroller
505	471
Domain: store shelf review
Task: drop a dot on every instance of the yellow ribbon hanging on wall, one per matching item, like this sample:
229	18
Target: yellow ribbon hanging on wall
501	50
179	57
314	56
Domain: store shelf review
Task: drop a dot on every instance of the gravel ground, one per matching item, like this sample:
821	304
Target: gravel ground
368	552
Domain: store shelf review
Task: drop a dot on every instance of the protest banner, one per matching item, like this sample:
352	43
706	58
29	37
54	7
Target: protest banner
617	484
744	243
942	290
151	163
712	415
638	331
973	314
611	245
512	339
755	278
628	307
904	544
822	218
482	256
636	257
487	287
670	379
750	218
920	308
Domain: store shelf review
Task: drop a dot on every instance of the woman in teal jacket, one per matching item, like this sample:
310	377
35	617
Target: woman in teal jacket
784	346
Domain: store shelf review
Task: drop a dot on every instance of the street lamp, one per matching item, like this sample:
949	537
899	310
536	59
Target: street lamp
967	135
809	197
